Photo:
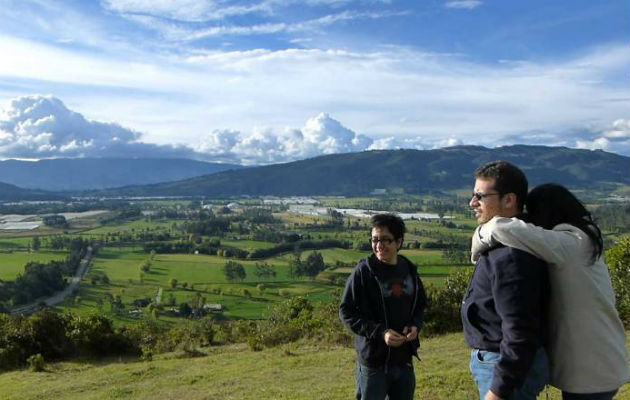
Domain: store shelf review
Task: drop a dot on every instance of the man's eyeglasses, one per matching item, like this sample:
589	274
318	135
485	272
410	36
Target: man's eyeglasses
385	241
480	196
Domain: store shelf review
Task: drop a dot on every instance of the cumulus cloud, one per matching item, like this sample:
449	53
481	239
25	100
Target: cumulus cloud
43	127
615	139
392	142
320	135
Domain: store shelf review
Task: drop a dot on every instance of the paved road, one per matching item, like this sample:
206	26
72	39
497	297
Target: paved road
60	296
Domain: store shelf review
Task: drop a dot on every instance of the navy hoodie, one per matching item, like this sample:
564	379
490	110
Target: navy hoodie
362	309
504	311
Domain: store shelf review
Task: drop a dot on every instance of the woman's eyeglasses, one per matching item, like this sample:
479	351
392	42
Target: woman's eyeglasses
385	241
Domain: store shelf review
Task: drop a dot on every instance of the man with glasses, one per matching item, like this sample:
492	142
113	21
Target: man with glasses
503	311
383	304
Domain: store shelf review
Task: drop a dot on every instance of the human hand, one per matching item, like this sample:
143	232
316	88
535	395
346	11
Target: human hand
410	332
491	396
393	338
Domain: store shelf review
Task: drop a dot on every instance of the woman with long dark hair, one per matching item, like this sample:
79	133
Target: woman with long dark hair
588	357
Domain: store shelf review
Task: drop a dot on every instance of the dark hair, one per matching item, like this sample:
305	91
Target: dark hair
551	204
508	179
392	222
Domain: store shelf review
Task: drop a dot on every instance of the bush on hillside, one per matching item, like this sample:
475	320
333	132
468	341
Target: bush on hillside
442	314
618	260
36	363
95	335
295	319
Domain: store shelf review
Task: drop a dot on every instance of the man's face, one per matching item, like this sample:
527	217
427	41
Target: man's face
491	203
384	245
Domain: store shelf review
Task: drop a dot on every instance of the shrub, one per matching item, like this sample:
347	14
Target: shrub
261	288
442	314
95	335
618	260
36	362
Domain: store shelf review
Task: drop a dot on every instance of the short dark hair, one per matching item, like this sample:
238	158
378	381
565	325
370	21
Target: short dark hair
508	178
392	222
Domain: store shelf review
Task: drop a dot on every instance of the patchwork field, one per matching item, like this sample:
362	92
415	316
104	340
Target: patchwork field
13	262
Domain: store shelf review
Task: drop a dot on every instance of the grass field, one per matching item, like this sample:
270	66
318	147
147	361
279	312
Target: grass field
295	372
13	262
122	266
14	242
137	225
205	274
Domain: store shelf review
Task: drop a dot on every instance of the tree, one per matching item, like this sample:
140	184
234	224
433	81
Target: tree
228	271
35	243
145	266
264	271
185	310
55	221
295	265
240	272
234	271
173	283
314	264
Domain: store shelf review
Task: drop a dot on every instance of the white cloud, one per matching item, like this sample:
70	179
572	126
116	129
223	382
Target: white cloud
185	32
620	130
392	91
450	142
214	10
184	10
42	127
463	4
615	139
319	135
392	142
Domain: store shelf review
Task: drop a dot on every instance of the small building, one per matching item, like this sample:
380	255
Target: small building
213	307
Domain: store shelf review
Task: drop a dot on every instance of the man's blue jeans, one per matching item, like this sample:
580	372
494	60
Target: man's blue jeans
482	364
398	383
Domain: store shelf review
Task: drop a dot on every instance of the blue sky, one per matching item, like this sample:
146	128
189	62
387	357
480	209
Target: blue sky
269	81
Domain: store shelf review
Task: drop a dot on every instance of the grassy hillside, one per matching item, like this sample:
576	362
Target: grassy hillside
291	372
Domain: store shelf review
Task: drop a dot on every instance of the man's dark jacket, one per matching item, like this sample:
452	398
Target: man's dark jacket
504	311
363	310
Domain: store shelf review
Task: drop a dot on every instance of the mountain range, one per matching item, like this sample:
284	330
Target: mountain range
413	171
68	174
350	174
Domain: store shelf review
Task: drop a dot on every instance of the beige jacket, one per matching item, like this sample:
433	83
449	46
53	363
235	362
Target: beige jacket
587	343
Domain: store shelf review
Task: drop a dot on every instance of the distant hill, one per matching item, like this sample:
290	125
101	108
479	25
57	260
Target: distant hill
13	193
414	171
101	173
